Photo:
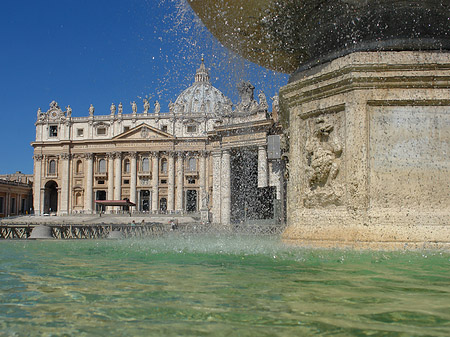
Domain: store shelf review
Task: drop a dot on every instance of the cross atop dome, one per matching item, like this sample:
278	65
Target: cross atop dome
202	74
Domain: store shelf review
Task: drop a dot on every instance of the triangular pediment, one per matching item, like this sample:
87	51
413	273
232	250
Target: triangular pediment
143	132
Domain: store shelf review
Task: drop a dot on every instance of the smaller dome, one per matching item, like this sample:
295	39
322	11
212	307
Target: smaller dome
201	97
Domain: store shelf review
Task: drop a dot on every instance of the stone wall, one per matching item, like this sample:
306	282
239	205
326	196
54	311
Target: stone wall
369	158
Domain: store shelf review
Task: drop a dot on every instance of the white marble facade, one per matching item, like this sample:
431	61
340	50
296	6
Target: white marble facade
165	162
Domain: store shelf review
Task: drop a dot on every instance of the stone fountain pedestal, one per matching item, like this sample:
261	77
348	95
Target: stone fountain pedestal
369	151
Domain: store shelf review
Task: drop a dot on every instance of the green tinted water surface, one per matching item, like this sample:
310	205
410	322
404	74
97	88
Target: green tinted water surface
219	286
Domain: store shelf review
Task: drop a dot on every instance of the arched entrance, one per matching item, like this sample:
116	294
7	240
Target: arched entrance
163	205
100	195
51	197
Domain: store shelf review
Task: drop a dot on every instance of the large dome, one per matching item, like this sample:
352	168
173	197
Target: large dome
202	97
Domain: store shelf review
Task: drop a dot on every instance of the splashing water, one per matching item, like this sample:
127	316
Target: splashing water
219	285
183	29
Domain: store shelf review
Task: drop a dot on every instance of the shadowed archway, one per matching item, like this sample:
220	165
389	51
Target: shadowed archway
51	197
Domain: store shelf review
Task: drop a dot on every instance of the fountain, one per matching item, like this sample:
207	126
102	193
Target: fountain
366	113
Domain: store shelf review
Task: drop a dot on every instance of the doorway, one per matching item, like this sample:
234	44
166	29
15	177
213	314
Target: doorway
191	201
51	197
163	205
100	195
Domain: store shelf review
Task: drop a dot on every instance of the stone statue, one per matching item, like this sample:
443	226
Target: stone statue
134	107
54	105
263	101
275	103
171	107
157	107
91	110
322	157
205	200
120	108
146	106
247	102
39	113
112	109
69	111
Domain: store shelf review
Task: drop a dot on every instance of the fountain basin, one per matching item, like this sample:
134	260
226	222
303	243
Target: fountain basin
295	35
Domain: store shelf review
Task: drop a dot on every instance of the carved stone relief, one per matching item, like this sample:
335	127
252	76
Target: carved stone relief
323	152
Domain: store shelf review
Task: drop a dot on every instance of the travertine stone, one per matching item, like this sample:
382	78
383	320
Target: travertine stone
171	183
155	182
369	159
89	182
133	177
180	182
225	211
217	172
263	172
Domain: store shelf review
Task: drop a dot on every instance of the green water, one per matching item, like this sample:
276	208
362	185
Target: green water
219	286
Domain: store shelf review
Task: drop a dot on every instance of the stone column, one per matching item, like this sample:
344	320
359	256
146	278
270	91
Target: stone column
171	183
110	195
226	188
133	180
262	167
89	183
110	177
155	181
63	209
180	182
202	178
37	184
117	176
217	169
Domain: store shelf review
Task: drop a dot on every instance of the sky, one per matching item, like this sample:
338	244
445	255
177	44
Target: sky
82	52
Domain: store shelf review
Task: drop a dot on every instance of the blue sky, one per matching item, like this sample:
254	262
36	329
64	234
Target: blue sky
83	52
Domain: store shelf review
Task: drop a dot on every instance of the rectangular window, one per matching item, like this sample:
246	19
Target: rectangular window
126	128
101	182
101	131
53	131
164	128
126	182
191	128
13	205
80	132
163	181
191	181
2	200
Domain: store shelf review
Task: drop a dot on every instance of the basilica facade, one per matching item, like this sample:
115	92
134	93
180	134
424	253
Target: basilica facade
205	155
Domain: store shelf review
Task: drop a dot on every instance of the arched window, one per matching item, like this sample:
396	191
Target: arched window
79	167
78	199
52	167
126	166
164	165
192	165
145	165
102	166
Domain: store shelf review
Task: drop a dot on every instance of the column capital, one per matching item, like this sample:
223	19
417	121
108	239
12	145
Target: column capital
110	155
217	153
117	155
154	153
89	155
133	154
181	154
38	157
203	153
